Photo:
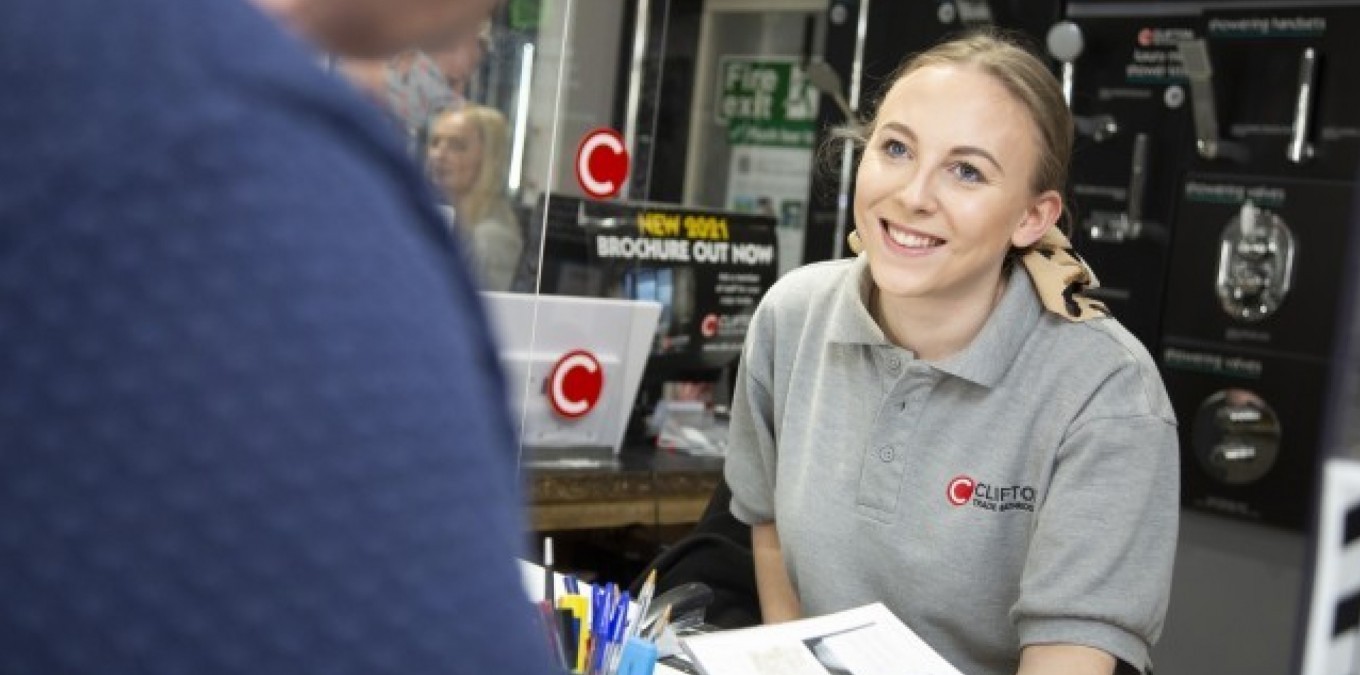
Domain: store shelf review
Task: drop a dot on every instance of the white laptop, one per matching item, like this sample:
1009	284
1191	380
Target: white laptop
573	364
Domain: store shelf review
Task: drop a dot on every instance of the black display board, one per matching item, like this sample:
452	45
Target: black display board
707	268
1257	255
1125	178
1277	364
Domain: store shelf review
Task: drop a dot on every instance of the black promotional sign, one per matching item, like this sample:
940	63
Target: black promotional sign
707	268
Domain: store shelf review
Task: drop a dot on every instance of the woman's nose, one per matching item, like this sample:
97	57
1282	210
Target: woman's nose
917	190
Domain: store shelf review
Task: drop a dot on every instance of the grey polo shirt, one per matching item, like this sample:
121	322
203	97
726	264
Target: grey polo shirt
1022	491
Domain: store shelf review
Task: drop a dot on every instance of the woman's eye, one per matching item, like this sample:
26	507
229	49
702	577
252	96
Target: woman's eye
968	173
895	148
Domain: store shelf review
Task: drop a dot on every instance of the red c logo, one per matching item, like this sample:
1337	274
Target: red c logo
575	384
709	326
601	174
960	490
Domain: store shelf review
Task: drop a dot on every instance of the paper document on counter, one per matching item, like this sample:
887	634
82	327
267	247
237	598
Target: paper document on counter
868	640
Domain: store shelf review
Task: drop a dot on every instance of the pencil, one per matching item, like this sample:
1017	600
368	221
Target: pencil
644	599
661	623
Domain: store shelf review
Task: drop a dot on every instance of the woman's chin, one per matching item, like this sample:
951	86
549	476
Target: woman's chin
898	282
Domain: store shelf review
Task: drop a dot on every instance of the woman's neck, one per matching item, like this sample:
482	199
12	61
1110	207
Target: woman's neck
935	328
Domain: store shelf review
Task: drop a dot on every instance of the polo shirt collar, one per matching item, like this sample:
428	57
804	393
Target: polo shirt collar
849	318
998	344
983	361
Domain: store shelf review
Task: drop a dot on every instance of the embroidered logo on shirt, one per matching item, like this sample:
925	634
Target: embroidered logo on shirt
964	490
960	490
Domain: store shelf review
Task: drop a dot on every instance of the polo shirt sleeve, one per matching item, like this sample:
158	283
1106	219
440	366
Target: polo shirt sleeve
1099	567
751	453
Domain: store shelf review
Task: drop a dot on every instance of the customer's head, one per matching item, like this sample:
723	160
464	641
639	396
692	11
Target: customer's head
460	57
374	28
468	156
964	161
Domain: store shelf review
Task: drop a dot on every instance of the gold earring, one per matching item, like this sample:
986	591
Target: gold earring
856	244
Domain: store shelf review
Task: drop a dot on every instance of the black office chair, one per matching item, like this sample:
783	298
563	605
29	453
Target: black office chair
716	553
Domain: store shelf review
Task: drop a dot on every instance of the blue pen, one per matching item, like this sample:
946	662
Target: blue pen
617	627
601	639
621	627
596	610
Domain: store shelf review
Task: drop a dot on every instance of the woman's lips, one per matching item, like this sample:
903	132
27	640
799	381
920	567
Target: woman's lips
909	240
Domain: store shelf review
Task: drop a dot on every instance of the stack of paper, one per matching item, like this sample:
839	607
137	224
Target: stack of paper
868	640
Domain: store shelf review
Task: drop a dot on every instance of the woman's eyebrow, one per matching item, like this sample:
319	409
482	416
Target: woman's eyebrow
901	129
969	150
964	150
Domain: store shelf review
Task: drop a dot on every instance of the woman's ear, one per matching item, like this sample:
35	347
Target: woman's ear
1042	214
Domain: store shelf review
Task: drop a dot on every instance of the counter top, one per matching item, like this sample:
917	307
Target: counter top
586	488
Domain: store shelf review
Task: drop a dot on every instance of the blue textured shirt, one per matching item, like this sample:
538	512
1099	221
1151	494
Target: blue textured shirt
250	418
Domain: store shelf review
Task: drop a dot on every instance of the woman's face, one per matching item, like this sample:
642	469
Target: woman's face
943	189
454	154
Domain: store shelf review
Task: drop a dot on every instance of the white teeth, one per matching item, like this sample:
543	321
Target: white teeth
912	240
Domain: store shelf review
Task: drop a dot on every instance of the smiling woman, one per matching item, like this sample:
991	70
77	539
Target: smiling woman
1005	475
943	191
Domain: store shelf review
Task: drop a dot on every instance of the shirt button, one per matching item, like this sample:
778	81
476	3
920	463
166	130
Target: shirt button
885	453
894	362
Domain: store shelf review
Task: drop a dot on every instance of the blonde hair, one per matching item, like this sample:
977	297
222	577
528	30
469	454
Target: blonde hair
488	187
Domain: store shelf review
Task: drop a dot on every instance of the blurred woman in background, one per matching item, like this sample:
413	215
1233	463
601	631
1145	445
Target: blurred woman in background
468	157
